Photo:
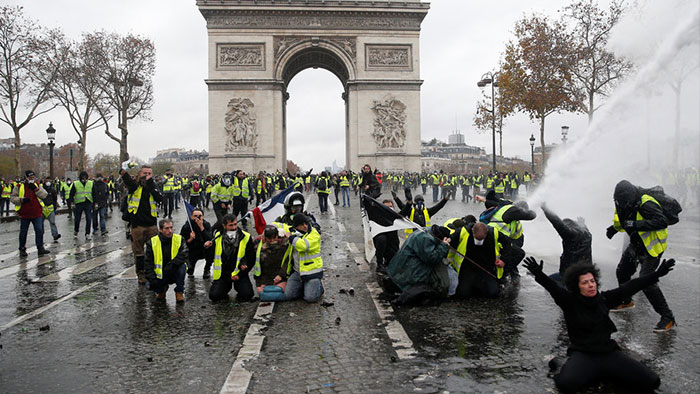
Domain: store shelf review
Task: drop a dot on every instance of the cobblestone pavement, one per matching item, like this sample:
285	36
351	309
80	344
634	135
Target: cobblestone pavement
76	321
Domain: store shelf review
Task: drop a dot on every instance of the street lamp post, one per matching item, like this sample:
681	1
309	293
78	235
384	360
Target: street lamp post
564	133
491	79
71	159
51	134
532	152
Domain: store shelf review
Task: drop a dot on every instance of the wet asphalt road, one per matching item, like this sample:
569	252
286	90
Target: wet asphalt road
114	337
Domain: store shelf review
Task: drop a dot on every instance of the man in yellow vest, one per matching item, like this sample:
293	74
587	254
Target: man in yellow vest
482	245
168	194
142	213
82	196
26	197
323	188
345	187
304	263
5	198
642	218
234	257
166	261
242	194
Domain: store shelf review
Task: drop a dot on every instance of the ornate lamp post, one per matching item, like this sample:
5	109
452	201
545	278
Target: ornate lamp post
51	134
564	133
532	152
491	79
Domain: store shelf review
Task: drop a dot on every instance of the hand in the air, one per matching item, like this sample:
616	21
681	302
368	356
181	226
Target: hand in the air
532	266
665	267
610	232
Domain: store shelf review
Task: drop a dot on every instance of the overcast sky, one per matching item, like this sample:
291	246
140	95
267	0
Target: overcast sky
460	40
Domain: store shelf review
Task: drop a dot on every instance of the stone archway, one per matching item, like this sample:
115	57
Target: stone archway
256	48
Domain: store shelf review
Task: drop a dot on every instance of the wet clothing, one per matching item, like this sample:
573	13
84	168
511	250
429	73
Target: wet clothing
575	241
386	245
271	254
419	214
473	281
369	179
593	354
173	268
244	288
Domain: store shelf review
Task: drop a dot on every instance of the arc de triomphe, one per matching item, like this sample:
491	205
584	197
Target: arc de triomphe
257	46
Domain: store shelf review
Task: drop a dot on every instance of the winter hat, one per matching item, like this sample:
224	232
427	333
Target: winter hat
83	174
625	191
440	232
28	173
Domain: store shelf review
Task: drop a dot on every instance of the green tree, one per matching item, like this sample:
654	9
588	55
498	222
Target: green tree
536	74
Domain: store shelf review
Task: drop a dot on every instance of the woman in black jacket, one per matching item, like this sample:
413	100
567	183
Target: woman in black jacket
593	355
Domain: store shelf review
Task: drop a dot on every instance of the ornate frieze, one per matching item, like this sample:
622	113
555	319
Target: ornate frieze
240	56
240	126
345	44
314	20
389	123
388	57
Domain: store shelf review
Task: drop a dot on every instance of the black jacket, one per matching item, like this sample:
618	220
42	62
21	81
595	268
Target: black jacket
180	258
368	179
143	217
196	247
100	193
575	240
230	253
587	319
418	217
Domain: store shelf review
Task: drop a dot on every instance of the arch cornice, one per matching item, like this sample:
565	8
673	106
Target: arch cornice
308	44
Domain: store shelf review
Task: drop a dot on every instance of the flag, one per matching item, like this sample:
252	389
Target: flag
377	218
270	210
189	208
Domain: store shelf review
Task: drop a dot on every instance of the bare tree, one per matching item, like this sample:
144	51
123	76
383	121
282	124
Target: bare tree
30	57
484	114
77	89
686	64
596	70
128	65
536	73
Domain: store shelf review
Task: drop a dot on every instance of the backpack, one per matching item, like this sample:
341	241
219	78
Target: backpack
669	205
195	186
322	184
486	216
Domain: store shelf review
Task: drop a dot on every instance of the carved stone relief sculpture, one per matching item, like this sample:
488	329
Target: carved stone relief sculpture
388	57
241	133
389	123
240	55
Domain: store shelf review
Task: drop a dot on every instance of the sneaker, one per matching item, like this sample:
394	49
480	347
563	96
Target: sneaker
141	278
23	253
57	237
104	233
43	252
75	235
179	297
88	236
665	324
160	296
623	307
206	275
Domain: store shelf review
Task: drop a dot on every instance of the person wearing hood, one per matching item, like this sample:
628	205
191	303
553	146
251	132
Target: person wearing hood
575	241
26	197
82	196
234	257
593	356
642	218
415	209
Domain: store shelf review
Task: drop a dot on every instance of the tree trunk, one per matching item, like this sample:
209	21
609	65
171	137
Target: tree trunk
500	143
590	107
83	143
123	153
542	144
677	136
18	144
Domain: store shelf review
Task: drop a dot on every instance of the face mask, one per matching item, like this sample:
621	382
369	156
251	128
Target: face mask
99	179
69	182
231	234
226	182
478	242
47	184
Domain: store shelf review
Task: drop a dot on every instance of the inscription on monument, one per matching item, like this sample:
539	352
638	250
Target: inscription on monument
248	56
389	123
241	133
388	57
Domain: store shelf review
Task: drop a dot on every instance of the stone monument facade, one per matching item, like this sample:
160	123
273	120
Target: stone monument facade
257	46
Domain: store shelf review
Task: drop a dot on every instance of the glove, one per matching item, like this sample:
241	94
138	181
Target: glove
408	194
610	232
125	165
629	226
665	267
32	186
532	266
26	200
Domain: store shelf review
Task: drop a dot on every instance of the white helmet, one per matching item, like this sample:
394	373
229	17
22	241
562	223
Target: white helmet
294	198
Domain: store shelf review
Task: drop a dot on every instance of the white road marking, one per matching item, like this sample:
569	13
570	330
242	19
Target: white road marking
353	248
341	227
86	265
16	253
129	273
399	339
332	209
238	378
361	263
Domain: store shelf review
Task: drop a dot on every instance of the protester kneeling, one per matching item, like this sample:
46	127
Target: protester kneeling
479	274
418	269
268	264
234	257
303	263
165	262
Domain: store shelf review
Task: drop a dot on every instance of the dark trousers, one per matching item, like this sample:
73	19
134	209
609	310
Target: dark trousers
239	206
323	202
195	201
168	204
423	187
195	255
259	199
171	274
38	224
4	206
474	282
335	192
582	370
85	206
99	219
627	267
436	189
221	287
386	244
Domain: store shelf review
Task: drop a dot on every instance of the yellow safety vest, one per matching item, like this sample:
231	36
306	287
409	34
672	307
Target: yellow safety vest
655	240
6	191
408	231
82	192
219	250
158	252
500	186
309	249
169	184
456	260
135	198
344	181
240	188
512	230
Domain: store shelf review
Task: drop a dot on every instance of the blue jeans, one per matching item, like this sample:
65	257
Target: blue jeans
345	190
435	193
171	274
311	290
323	202
52	222
86	207
100	213
38	224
